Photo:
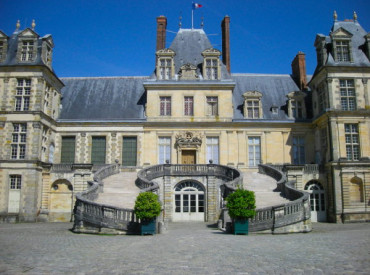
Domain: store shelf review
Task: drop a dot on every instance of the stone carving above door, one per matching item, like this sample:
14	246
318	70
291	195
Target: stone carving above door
188	139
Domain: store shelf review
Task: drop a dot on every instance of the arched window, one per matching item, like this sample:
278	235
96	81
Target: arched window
317	200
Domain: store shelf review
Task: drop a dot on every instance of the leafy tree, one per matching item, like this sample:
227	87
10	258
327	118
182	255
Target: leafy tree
147	206
241	204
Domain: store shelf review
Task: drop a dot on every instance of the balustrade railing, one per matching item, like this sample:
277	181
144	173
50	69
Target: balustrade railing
270	218
89	214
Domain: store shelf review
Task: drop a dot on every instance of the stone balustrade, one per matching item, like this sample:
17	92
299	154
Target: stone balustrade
293	216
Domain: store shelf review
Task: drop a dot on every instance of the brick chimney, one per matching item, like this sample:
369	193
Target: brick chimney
299	70
161	32
225	28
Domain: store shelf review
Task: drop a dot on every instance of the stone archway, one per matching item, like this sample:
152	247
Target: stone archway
190	201
61	201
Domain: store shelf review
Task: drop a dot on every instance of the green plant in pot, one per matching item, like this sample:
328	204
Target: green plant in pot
147	208
241	205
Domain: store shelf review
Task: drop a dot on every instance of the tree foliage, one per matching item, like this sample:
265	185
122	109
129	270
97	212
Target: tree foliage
241	204
147	206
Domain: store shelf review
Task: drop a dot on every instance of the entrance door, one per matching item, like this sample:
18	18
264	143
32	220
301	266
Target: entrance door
317	201
14	193
188	157
189	202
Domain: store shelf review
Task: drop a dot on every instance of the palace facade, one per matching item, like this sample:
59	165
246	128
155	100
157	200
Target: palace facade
56	132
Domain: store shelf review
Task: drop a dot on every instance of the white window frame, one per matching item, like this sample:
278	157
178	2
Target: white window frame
189	106
23	94
19	140
213	149
347	94
165	106
254	154
352	139
212	105
15	182
164	149
27	49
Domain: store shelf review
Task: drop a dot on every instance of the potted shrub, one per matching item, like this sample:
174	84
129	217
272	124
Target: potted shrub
147	208
241	205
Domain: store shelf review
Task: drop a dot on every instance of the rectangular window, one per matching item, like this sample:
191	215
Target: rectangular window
347	94
352	141
298	150
27	51
98	150
212	105
213	149
15	182
342	49
22	99
129	151
19	137
68	150
189	106
165	105
212	68
322	98
1	50
296	108
253	108
164	150
254	151
165	68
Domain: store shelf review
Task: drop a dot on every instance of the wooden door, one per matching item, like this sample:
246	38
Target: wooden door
189	157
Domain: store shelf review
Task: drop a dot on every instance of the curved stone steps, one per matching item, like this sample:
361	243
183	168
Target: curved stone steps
263	187
120	190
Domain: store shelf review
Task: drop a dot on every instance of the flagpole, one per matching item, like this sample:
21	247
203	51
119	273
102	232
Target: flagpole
192	16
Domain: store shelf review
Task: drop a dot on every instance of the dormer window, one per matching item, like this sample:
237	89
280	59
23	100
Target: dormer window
342	49
342	45
252	105
165	64
296	106
27	51
211	64
3	46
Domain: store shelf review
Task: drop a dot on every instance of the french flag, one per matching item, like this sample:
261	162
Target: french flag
196	6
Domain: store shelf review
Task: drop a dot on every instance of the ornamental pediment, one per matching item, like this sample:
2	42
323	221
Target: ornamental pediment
188	72
29	33
250	94
165	52
296	94
341	33
188	139
211	52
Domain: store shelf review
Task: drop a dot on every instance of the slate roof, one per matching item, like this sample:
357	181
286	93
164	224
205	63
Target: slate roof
11	57
274	89
103	98
357	41
188	45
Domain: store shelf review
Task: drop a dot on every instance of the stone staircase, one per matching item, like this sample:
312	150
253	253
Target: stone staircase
120	190
264	187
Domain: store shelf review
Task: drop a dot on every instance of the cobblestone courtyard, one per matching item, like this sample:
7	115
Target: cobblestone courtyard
190	248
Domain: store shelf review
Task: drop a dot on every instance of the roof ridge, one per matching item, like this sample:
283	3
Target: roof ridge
106	77
257	74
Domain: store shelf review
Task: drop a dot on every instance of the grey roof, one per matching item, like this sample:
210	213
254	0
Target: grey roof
274	89
188	45
357	41
103	98
11	57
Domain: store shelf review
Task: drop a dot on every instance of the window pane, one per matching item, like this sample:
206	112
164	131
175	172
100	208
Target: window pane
68	150
98	150
129	151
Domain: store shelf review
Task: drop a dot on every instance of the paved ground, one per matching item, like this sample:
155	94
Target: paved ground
186	248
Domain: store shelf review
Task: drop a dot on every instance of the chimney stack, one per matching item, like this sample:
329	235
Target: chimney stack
161	32
225	28
299	70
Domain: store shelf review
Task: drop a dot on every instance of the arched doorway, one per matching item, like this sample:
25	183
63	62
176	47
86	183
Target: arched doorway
189	201
317	201
61	201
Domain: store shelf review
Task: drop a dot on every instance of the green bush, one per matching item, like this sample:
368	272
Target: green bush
241	204
147	206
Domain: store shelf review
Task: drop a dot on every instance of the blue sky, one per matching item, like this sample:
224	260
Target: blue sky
117	37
